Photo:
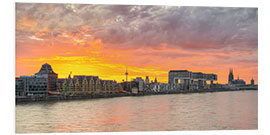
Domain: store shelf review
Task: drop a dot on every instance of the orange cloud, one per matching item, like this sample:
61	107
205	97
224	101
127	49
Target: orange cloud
29	22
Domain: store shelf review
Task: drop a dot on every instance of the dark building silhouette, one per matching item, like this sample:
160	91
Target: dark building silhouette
237	81
230	76
147	80
252	81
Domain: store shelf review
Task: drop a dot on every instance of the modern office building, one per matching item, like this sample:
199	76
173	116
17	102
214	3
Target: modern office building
32	86
41	84
47	72
187	78
140	83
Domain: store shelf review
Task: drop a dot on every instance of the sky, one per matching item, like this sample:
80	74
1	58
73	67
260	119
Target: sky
105	40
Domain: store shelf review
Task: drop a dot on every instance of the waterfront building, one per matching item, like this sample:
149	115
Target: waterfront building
32	86
92	87
85	85
140	83
71	86
134	90
238	82
252	82
232	81
81	85
47	71
19	87
146	80
42	83
98	86
230	78
184	79
62	86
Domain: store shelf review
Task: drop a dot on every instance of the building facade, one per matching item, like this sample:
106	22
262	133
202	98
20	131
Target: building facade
82	85
39	84
47	71
190	80
32	86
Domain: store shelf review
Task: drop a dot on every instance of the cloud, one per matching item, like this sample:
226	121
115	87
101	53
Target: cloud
157	36
142	26
35	38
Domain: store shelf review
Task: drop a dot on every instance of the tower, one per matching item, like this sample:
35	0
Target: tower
147	80
252	81
155	79
126	75
230	79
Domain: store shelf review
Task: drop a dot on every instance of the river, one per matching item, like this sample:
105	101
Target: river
173	112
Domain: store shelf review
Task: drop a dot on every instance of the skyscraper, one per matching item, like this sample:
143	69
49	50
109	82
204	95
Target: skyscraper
147	80
230	76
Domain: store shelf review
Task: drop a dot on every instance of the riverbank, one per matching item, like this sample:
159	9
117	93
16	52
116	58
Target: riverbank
111	95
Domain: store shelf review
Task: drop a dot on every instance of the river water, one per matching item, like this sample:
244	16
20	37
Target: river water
174	112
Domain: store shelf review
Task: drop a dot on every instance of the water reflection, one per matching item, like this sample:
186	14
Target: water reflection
207	111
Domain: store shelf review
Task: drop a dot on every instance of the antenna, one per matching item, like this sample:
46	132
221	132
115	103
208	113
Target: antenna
126	74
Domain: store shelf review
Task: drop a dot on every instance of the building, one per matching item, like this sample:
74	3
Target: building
140	83
146	80
47	71
32	86
82	85
41	84
238	82
19	87
190	80
231	80
252	82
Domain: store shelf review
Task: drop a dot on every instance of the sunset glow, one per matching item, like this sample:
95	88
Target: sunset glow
104	40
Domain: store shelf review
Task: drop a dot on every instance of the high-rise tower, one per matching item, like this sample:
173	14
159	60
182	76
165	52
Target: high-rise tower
230	76
147	80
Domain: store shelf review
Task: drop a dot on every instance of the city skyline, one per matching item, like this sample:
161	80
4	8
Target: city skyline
103	40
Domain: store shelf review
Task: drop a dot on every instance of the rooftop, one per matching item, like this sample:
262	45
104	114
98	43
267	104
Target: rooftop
45	69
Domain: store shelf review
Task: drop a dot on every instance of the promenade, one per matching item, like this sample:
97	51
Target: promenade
111	95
